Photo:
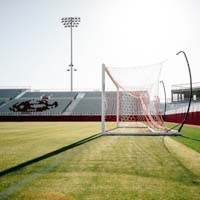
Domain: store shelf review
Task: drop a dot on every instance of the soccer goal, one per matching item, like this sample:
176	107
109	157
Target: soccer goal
130	101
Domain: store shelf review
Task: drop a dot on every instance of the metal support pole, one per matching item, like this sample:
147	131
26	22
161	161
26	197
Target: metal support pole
190	75
70	22
165	100
71	64
117	107
103	100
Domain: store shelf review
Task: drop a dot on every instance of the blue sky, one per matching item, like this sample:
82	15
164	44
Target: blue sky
35	47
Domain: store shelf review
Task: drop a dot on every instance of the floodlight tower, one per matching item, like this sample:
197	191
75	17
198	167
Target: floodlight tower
71	22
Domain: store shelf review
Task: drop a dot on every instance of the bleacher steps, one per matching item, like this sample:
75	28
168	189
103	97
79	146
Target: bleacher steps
21	94
71	107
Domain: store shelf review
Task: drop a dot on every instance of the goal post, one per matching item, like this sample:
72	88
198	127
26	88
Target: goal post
103	100
130	101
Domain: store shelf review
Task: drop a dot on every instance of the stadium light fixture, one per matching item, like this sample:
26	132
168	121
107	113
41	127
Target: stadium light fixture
71	22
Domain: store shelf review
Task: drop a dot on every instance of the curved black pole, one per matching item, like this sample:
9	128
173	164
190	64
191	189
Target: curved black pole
189	70
165	100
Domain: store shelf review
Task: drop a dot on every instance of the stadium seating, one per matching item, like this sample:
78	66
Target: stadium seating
62	99
61	94
92	94
91	104
33	95
62	104
50	94
84	103
2	102
7	95
10	93
173	108
88	106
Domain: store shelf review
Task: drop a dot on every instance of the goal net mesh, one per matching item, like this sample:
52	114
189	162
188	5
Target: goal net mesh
131	99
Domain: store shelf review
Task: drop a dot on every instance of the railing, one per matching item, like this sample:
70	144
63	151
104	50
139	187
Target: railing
185	100
29	114
46	114
185	86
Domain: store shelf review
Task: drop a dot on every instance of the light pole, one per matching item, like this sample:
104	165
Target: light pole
71	22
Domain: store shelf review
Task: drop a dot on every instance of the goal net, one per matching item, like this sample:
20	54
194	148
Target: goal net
130	101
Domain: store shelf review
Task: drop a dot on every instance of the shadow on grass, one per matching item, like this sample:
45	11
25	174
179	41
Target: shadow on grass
50	154
194	139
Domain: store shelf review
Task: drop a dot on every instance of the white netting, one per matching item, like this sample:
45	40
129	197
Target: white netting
131	98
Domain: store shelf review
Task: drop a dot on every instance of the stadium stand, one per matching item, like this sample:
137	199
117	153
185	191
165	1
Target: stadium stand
62	94
33	95
2	102
111	103
35	107
92	94
50	94
10	93
35	103
88	106
91	104
7	95
173	108
18	102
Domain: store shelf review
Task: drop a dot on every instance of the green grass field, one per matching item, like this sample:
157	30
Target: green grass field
191	137
118	168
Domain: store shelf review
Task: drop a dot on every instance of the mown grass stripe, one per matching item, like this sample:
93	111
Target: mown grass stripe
16	187
50	154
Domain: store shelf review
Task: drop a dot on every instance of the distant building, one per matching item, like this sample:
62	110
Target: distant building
181	92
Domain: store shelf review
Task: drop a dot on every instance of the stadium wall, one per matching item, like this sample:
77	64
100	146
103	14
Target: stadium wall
193	118
60	118
50	118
